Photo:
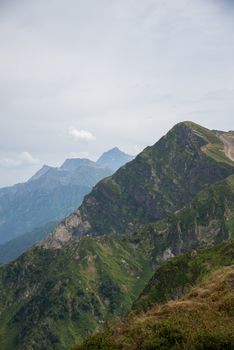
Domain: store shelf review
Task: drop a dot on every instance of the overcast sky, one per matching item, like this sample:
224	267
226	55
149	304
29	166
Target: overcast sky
79	77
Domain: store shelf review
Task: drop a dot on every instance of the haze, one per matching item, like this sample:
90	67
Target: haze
80	77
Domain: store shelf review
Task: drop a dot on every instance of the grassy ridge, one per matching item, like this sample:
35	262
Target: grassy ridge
178	275
201	319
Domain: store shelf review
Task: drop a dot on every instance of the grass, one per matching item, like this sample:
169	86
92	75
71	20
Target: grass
178	275
201	319
62	295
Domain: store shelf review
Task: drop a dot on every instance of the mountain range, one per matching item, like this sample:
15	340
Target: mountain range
123	250
51	194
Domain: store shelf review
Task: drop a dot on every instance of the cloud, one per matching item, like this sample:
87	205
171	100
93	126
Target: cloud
22	159
81	135
125	70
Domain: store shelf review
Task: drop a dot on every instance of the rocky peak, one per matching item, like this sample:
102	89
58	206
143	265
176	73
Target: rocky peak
114	158
75	163
40	172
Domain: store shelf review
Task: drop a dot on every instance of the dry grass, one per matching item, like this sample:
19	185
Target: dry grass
206	312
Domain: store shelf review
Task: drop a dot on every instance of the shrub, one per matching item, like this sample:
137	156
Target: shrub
214	342
98	341
165	337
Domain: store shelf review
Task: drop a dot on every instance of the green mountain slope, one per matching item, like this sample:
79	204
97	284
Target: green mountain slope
201	319
204	222
49	299
173	198
175	277
66	293
160	180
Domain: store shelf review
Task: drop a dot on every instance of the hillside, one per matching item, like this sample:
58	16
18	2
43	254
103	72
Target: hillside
62	295
201	318
86	282
98	260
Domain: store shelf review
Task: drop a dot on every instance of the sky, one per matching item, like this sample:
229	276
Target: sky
80	77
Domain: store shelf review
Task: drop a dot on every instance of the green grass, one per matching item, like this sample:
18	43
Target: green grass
214	147
178	275
62	295
201	318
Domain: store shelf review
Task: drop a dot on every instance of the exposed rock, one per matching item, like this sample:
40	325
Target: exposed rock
228	140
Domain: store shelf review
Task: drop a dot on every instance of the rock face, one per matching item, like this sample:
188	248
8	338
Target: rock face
162	179
228	141
65	231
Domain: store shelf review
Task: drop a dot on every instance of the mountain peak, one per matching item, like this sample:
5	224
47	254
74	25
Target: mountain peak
160	180
218	145
40	172
114	158
71	164
115	149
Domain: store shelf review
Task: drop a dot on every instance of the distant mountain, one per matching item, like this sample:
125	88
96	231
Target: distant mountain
50	195
40	172
14	248
114	159
175	197
75	163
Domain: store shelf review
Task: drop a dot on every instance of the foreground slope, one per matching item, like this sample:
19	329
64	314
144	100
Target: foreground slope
66	287
202	318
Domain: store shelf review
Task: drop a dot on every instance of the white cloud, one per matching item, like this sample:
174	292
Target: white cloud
22	159
81	135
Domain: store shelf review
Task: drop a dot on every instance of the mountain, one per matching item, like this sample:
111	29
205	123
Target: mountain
175	197
15	247
47	197
114	159
75	163
64	294
191	307
41	172
159	181
50	195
